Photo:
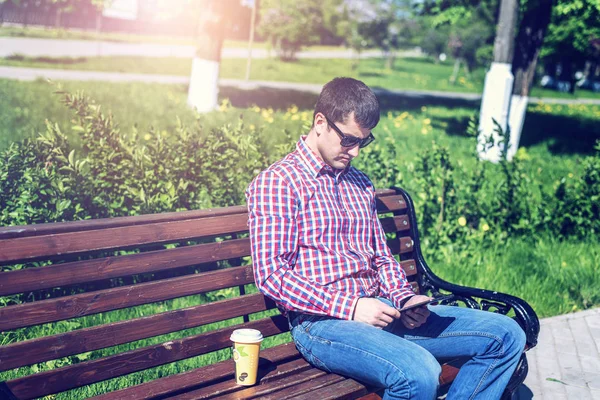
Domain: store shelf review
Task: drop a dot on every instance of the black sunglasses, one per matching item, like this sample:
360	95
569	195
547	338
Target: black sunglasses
349	140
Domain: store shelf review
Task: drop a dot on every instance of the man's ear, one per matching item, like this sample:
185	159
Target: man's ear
319	123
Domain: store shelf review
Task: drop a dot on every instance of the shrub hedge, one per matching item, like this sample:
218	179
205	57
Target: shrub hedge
48	179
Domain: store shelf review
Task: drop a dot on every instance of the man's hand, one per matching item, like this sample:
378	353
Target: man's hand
374	312
417	316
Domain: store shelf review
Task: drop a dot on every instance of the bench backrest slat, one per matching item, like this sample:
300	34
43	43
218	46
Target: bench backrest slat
8	232
36	247
98	337
44	311
86	373
76	272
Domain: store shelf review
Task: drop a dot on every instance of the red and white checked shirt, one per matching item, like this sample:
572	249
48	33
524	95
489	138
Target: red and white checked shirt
317	243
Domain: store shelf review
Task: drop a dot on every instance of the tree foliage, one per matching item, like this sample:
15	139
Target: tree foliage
289	25
574	24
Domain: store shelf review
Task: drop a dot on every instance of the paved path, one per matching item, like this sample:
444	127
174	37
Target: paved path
30	74
566	362
34	47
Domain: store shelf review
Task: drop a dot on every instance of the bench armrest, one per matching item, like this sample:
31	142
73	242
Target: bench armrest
482	299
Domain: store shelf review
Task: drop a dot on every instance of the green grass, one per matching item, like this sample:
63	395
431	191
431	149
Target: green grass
407	73
555	277
77	34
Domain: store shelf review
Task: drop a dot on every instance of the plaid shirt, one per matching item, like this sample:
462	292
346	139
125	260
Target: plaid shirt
317	243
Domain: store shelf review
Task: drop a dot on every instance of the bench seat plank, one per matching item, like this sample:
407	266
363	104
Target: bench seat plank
284	354
264	390
310	381
342	388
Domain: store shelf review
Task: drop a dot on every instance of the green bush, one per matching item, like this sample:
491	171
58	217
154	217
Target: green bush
48	179
490	202
110	174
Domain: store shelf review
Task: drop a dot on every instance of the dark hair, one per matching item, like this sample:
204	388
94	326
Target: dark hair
342	96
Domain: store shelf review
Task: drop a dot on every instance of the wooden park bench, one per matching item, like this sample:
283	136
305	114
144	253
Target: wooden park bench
79	272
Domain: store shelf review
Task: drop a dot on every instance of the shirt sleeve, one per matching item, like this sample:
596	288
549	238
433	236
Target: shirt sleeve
272	216
393	282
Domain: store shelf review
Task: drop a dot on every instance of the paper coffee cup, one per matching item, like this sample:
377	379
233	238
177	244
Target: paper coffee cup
246	346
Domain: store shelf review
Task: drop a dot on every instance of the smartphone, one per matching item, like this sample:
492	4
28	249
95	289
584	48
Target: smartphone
432	301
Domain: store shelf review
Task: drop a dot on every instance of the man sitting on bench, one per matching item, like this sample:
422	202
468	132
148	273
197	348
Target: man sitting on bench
320	252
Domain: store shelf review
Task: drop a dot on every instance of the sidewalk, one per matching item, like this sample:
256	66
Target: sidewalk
566	362
34	47
31	74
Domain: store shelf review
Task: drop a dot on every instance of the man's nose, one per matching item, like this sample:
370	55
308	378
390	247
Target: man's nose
354	151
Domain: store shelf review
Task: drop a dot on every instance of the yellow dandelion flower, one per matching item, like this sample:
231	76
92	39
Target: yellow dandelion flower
397	124
424	131
423	109
570	174
147	136
252	127
462	221
563	264
485	227
295	117
270	120
427	121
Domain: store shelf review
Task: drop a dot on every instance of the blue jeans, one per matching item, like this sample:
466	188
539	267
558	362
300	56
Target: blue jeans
404	362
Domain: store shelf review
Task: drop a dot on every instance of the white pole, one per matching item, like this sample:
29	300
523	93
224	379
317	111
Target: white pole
251	40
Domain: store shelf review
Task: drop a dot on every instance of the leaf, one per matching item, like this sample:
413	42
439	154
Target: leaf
240	349
72	157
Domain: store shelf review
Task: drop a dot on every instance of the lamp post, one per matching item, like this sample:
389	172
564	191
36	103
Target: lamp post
252	4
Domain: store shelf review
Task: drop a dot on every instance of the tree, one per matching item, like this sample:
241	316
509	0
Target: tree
289	24
573	26
528	44
383	24
3	6
62	7
214	17
355	14
468	26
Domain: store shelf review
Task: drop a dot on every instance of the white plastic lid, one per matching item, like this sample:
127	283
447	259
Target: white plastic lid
246	336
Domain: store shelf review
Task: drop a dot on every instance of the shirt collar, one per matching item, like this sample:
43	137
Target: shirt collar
312	162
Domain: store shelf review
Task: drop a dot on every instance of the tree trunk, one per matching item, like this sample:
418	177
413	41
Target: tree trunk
389	61
204	80
58	18
2	8
497	88
455	70
528	44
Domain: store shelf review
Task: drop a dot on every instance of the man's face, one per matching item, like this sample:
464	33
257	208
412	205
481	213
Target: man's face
329	146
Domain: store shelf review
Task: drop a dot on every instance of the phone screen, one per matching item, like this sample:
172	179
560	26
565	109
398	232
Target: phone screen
432	301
